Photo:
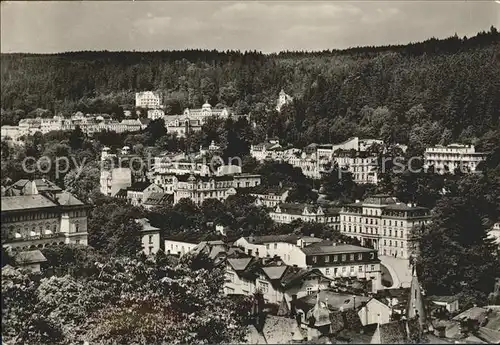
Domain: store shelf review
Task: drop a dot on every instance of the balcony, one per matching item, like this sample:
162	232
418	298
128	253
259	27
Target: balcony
11	239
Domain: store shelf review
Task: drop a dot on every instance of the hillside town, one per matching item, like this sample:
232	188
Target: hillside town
315	286
217	197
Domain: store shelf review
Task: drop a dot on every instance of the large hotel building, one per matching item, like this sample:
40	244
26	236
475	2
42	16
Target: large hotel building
452	157
383	223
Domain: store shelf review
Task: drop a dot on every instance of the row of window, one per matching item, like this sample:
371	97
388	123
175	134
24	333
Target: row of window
401	243
372	221
373	231
351	270
342	257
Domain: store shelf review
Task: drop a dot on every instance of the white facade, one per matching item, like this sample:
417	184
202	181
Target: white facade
452	157
147	99
180	165
363	169
494	233
290	253
375	311
265	150
150	237
286	213
199	190
180	248
283	99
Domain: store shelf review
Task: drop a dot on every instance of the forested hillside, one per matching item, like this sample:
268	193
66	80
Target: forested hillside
429	92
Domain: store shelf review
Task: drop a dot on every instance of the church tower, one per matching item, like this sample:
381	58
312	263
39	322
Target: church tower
416	307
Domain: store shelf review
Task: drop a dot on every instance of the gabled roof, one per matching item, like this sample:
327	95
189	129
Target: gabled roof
291	238
139	186
274	272
158	198
239	264
67	199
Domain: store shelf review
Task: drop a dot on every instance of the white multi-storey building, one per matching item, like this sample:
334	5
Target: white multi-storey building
384	223
37	213
362	166
155	114
201	188
283	99
452	157
148	99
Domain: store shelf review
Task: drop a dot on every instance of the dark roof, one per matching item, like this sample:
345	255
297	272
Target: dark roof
29	257
404	207
239	264
447	299
336	301
330	247
391	333
158	198
122	193
291	238
139	186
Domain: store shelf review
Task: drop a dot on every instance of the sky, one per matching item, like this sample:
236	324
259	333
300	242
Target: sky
267	26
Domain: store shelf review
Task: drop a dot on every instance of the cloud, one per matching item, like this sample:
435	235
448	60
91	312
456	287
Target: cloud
246	25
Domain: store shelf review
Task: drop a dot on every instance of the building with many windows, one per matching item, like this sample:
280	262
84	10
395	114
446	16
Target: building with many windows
148	100
200	188
265	150
383	223
37	213
286	213
362	165
269	197
452	157
155	114
150	236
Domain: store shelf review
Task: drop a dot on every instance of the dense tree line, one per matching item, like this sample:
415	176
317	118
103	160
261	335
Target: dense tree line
430	92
